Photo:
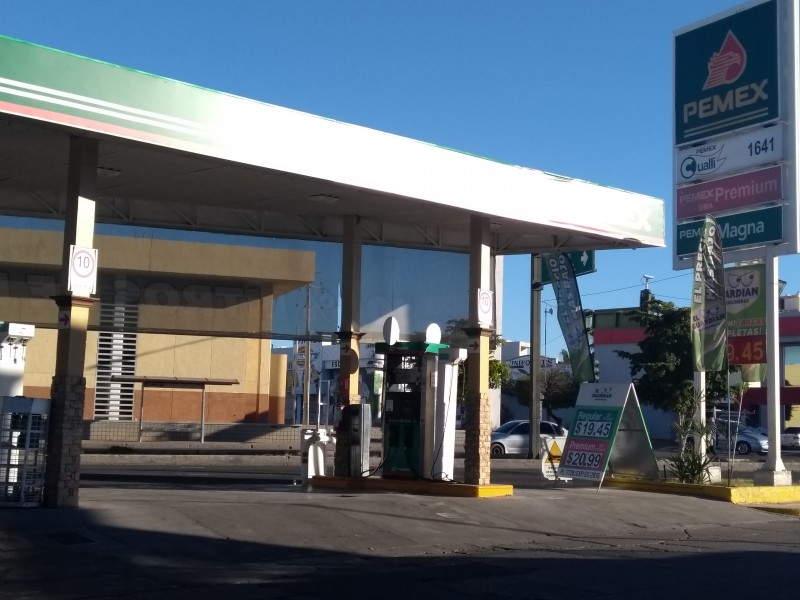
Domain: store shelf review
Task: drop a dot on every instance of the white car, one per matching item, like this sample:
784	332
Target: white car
790	438
513	437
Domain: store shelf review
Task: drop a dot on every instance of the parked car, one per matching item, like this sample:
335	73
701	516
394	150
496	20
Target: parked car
513	437
743	439
790	438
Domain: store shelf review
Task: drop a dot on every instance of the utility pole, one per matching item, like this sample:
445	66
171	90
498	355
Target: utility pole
535	352
307	360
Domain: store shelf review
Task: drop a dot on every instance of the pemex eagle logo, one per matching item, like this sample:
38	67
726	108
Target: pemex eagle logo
727	65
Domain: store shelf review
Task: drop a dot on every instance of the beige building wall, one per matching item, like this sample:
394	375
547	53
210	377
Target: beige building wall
190	296
792	374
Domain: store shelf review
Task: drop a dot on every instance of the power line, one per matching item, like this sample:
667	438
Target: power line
630	287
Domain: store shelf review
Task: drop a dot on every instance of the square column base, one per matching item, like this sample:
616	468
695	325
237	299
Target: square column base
714	474
773	478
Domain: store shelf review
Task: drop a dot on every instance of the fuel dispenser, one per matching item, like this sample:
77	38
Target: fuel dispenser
409	387
356	428
420	409
443	419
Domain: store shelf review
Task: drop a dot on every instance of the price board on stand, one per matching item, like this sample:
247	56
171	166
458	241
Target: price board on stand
607	433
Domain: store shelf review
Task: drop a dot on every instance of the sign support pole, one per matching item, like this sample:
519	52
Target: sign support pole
773	472
700	415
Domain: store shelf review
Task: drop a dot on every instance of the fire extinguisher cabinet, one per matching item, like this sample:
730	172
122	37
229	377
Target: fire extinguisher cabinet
23	440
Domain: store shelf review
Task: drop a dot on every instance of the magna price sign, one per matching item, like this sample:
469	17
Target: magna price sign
726	74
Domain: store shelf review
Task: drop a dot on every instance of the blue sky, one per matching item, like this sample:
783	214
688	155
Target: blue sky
578	87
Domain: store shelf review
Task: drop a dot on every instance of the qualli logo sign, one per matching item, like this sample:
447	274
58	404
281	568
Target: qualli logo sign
706	161
726	74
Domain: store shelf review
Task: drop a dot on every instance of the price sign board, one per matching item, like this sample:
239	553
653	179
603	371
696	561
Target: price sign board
592	433
605	413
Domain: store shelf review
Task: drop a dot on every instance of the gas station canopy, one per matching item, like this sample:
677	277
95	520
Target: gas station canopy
178	156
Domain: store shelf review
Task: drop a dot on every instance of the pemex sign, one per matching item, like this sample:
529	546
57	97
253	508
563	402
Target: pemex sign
736	139
726	74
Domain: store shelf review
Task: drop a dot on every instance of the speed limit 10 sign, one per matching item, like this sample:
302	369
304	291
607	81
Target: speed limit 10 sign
82	271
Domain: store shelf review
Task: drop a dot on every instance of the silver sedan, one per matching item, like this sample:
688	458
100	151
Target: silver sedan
513	437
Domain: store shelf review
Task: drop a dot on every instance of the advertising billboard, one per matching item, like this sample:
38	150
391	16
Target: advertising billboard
746	301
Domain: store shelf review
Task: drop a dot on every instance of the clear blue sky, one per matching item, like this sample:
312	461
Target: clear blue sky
581	88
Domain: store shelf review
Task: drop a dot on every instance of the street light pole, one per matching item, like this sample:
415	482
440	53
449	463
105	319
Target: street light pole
535	354
307	367
547	311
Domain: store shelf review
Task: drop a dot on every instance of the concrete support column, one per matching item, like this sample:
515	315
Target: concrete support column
62	468
266	405
477	437
350	334
65	428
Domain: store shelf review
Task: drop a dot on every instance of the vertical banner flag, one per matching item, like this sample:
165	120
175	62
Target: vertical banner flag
570	315
708	321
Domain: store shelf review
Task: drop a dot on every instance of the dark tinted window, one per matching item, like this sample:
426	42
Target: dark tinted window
547	429
523	429
506	427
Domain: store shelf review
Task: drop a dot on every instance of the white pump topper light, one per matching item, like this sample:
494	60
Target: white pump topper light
433	334
391	331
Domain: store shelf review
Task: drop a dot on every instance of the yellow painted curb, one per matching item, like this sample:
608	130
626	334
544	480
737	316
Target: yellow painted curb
785	494
411	486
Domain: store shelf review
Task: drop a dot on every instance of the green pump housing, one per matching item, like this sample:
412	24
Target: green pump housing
410	386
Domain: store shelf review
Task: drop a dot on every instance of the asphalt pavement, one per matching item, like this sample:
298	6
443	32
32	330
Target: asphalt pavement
249	531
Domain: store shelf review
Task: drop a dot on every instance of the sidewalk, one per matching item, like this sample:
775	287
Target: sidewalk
216	458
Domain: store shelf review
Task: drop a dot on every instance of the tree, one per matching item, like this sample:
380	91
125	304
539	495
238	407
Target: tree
559	390
499	374
663	369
